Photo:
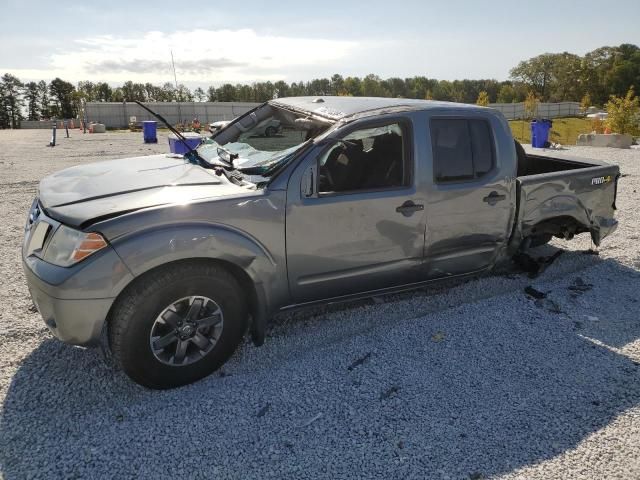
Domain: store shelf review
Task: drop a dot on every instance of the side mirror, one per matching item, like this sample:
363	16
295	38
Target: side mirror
308	183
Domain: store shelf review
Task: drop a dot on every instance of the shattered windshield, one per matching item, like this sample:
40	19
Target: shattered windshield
263	140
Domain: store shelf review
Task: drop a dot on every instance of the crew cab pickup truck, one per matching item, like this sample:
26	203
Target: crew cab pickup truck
172	260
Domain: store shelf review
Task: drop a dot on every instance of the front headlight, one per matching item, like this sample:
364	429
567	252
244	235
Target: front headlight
69	246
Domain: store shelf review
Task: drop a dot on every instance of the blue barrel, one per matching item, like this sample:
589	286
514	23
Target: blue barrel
540	133
183	146
149	131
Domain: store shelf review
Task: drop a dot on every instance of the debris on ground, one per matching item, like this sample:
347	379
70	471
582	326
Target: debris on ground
438	337
535	266
311	420
359	361
579	285
389	392
532	292
263	410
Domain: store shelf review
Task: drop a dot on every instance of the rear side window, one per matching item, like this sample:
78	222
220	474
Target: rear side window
462	149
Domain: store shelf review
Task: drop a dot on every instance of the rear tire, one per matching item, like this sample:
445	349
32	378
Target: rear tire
135	322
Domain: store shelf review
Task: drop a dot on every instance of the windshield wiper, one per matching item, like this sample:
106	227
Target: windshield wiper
194	155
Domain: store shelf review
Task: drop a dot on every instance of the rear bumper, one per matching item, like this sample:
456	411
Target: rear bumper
605	227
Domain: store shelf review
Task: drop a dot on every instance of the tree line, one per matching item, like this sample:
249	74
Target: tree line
550	77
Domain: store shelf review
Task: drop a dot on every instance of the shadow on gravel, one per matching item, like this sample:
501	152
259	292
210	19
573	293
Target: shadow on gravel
497	393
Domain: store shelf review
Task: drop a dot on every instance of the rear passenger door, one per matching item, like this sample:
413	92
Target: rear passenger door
471	202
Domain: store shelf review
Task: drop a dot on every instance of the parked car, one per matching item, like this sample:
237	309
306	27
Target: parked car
268	128
171	261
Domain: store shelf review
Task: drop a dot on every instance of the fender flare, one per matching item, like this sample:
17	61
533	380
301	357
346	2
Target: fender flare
145	250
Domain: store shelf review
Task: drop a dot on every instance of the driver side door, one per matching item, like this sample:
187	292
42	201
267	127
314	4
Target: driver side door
359	225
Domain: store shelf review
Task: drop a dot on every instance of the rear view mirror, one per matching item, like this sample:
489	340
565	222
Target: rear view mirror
307	185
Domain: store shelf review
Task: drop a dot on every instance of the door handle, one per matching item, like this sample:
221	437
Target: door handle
493	198
408	208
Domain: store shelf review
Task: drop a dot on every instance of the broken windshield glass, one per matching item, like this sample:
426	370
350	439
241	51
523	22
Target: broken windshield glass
263	139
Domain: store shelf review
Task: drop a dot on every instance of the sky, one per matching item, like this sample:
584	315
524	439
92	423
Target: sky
245	41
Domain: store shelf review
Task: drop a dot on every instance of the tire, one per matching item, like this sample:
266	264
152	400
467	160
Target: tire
177	287
270	131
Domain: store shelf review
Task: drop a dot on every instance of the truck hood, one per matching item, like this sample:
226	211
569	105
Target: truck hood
85	193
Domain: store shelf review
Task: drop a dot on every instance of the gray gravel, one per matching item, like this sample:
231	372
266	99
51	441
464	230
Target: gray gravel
475	379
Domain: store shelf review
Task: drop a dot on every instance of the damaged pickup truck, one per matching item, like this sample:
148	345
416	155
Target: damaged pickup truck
172	260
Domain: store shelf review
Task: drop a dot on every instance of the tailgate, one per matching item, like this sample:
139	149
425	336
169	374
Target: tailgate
585	194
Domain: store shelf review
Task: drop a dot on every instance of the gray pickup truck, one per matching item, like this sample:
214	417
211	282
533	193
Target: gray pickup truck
171	260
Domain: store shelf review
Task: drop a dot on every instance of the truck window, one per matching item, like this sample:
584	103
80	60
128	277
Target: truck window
366	159
462	149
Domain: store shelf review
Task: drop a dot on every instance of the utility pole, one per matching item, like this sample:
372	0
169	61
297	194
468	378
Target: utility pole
175	79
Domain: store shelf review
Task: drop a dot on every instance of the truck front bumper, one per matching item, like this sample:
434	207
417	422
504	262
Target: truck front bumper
74	321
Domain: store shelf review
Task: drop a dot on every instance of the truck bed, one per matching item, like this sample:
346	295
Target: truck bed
563	196
537	164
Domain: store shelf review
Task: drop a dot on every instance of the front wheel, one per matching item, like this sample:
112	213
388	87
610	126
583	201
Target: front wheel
178	324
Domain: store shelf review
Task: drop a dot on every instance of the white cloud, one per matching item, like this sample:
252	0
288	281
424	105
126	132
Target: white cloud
201	56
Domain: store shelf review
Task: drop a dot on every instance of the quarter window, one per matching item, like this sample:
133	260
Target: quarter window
462	149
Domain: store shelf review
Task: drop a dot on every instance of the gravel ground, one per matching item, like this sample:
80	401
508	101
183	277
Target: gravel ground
471	380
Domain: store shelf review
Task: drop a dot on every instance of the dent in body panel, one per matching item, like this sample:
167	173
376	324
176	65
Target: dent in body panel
465	233
569	194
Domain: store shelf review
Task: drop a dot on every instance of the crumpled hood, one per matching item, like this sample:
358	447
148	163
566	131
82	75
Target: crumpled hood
79	194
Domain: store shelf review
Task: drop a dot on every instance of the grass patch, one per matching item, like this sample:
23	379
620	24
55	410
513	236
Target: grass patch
564	130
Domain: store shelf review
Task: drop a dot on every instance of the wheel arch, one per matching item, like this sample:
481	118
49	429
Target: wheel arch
255	295
248	260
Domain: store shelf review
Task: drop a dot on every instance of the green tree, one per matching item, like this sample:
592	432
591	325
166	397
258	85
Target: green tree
183	94
337	84
535	72
531	106
483	99
44	100
371	87
507	94
12	99
623	113
226	93
211	94
585	103
281	89
61	92
32	96
199	95
352	86
87	90
103	92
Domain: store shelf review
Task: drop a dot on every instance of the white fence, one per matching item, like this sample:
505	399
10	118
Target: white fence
545	110
117	114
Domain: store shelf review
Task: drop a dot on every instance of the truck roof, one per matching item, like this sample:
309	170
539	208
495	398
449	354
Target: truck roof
336	108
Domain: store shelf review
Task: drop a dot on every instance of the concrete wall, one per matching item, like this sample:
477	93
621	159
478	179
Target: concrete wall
117	114
514	111
36	124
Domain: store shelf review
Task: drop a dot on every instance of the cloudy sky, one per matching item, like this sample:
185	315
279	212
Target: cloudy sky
245	41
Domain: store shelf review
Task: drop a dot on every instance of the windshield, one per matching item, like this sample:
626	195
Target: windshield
263	140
